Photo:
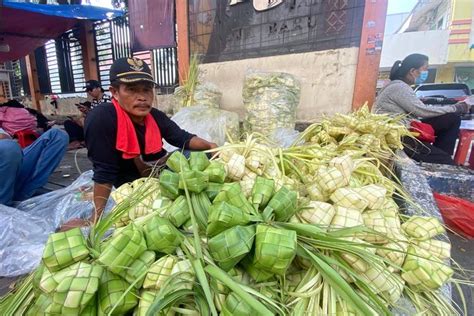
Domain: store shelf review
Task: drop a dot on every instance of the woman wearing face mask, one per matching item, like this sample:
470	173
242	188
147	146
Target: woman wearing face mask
398	98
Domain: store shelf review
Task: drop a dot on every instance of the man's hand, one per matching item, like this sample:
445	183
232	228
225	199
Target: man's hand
197	143
4	136
73	223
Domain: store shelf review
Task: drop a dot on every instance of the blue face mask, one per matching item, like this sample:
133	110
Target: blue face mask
422	78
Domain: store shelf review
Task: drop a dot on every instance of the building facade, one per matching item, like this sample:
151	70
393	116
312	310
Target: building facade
441	29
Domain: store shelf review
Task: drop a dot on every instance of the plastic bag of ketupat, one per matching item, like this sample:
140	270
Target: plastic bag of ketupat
205	94
270	101
25	228
213	125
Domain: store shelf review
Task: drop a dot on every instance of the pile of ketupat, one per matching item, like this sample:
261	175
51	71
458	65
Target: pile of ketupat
308	230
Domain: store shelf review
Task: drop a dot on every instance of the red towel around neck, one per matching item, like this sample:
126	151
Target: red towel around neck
127	141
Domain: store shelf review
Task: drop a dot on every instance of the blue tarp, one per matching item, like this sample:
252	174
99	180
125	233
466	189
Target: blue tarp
26	26
73	11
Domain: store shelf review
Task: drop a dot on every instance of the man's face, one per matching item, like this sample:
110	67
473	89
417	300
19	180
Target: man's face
135	98
95	93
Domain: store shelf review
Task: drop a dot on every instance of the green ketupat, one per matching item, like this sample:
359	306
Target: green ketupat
424	271
230	246
232	194
123	249
178	212
213	189
159	272
422	228
76	290
275	249
184	273
282	204
41	304
257	274
196	181
137	270
177	162
161	235
262	192
146	300
235	306
198	160
169	184
50	280
111	289
64	248
216	172
222	215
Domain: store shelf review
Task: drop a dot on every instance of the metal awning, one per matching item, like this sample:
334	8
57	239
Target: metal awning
26	26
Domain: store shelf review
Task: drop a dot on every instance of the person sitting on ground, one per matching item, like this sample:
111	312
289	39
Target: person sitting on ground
15	118
96	93
399	98
23	172
124	138
75	126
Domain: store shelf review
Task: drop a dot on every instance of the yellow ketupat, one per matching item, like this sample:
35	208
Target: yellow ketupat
318	213
346	217
235	167
422	228
330	179
380	279
374	194
396	291
348	197
395	252
159	272
374	220
438	248
356	262
345	165
315	192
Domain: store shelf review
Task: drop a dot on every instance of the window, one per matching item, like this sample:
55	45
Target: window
440	25
17	79
64	63
465	75
113	41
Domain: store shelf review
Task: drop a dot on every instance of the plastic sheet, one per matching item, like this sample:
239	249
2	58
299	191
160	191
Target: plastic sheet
270	101
285	137
207	123
457	213
25	229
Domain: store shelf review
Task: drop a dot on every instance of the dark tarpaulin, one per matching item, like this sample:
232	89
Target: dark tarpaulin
26	26
151	24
